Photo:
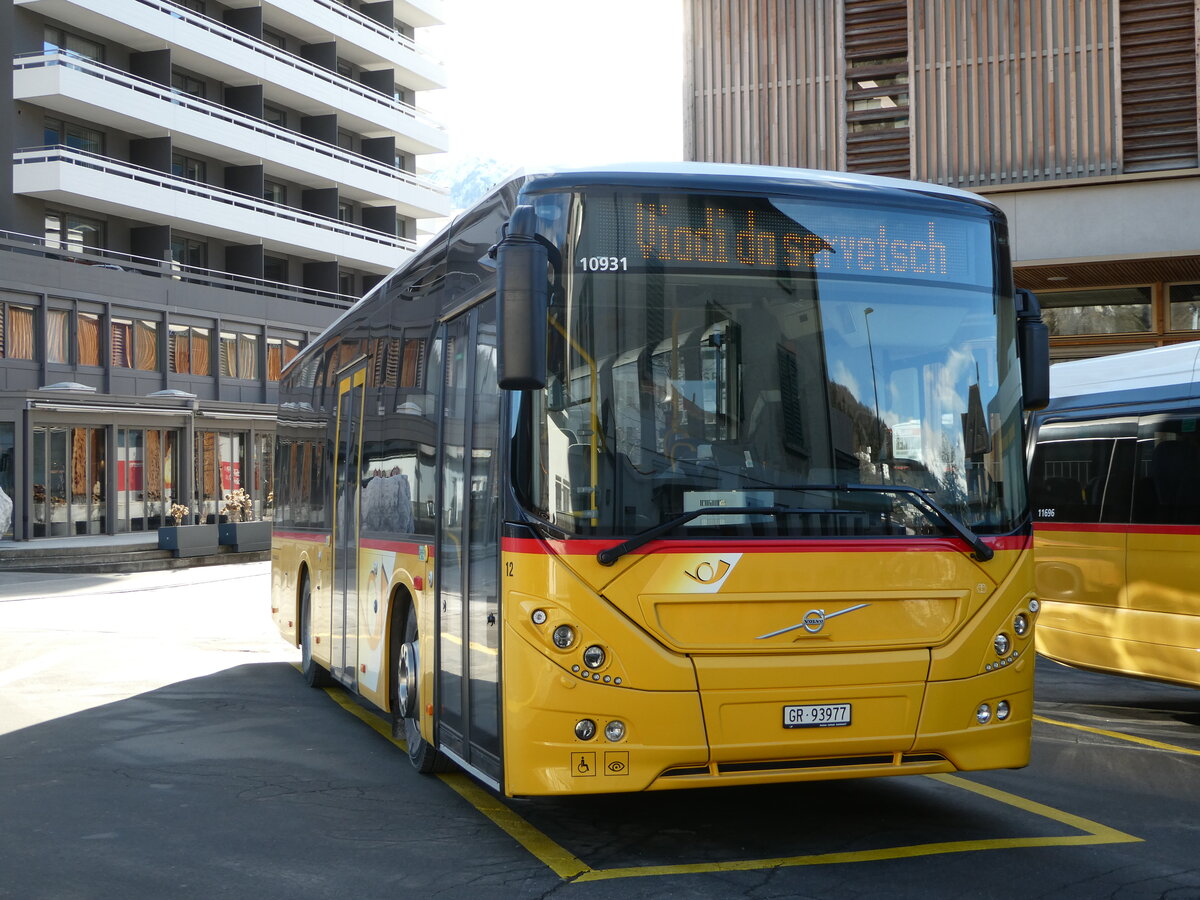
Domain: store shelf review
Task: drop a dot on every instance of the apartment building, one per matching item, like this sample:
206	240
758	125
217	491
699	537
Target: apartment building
1077	117
196	189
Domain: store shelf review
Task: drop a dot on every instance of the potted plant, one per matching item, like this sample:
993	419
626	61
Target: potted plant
240	530
187	540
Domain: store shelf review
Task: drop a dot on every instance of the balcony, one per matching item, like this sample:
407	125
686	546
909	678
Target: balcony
361	39
88	181
85	89
210	47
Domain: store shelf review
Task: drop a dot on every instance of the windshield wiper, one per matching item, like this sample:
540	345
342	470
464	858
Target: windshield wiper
610	555
916	496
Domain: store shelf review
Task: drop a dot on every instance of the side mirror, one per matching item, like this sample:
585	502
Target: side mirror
522	263
1033	346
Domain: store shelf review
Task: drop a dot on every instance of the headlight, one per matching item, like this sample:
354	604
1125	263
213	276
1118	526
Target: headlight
539	617
564	636
593	656
585	729
1002	710
1021	624
983	715
614	731
1002	644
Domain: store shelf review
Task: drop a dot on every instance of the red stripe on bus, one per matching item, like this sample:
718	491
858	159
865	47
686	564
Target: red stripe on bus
590	547
1116	528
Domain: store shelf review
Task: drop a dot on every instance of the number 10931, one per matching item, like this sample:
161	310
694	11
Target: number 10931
604	263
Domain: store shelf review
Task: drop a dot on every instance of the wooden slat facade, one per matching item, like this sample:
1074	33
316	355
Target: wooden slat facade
875	47
998	92
764	82
1014	92
1158	84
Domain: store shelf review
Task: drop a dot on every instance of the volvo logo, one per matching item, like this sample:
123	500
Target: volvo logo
814	620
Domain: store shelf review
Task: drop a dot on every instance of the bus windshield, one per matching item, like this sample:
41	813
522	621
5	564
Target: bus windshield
733	352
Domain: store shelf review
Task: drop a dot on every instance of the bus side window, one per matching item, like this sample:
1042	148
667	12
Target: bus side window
1067	480
1168	465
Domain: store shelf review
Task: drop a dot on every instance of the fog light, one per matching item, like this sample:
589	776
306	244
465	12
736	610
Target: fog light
1002	644
1021	624
1034	606
585	729
539	617
614	731
564	636
983	715
1002	710
593	656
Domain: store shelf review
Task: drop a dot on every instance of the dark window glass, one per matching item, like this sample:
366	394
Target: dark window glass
1167	489
1068	475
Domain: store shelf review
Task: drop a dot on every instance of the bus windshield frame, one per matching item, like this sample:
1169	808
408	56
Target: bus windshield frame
743	351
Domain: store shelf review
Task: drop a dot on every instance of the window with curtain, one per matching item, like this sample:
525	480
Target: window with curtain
17	336
56	336
146	345
121	343
87	339
239	355
187	349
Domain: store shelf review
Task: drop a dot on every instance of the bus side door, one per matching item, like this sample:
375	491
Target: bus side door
468	544
346	488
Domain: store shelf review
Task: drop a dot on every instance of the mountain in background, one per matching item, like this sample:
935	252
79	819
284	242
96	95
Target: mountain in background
468	180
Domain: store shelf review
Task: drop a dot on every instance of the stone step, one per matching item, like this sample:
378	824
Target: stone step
98	558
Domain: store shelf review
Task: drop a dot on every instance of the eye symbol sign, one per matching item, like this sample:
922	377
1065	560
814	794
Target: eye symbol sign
706	574
616	766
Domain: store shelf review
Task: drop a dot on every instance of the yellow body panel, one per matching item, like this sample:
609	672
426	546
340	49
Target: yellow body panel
1120	599
696	671
386	572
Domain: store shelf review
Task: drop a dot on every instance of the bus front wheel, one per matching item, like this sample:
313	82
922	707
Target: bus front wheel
406	699
314	673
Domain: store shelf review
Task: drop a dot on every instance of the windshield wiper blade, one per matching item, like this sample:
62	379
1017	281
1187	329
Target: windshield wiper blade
610	555
916	496
921	499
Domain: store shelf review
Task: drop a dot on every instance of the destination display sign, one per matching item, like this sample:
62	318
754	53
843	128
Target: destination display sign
629	232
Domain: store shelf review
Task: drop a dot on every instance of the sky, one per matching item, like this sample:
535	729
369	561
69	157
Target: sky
567	82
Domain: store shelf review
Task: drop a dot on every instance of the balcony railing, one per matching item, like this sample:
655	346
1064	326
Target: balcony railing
167	181
111	75
15	242
111	9
378	27
219	29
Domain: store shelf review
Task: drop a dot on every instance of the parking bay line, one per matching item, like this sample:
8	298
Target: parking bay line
1131	738
569	867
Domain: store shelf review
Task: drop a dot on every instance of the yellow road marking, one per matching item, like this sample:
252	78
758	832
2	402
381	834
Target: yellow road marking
569	867
1131	738
564	864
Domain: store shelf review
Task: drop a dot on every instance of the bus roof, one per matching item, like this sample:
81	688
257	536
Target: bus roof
1141	375
749	176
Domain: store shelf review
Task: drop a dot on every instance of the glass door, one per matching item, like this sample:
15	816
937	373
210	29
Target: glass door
346	487
468	544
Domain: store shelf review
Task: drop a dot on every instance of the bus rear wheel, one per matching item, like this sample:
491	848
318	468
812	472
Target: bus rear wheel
314	673
406	699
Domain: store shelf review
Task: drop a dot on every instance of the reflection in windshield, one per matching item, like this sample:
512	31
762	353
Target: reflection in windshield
675	388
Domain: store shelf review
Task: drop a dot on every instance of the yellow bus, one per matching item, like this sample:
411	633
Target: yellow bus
1115	480
650	477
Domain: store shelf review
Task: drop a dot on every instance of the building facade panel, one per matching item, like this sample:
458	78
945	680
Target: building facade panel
194	191
1077	117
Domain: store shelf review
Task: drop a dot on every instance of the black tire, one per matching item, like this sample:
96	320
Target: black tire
406	698
314	673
